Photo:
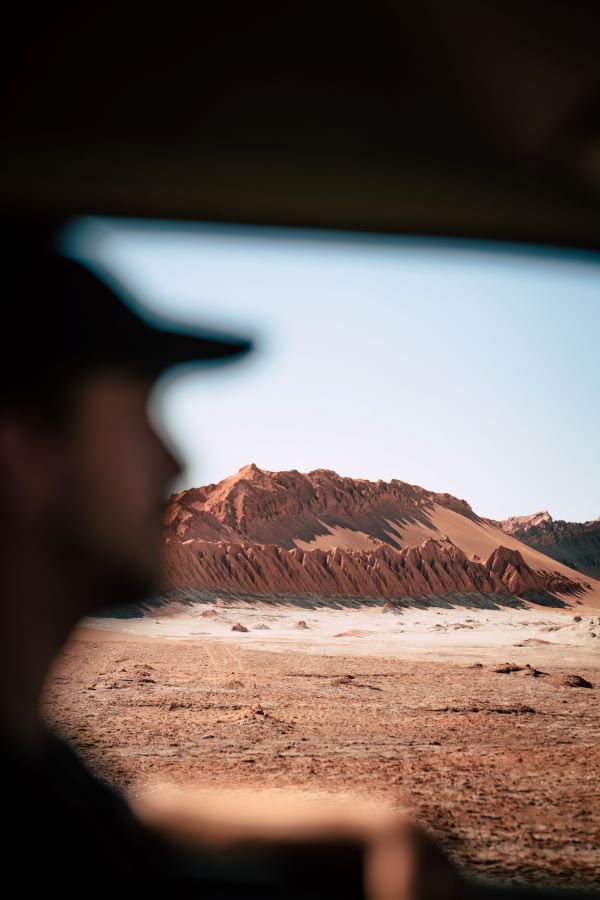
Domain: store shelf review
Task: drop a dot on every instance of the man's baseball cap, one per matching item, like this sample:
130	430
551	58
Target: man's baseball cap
59	315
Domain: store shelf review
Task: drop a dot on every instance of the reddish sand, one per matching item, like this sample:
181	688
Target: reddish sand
500	766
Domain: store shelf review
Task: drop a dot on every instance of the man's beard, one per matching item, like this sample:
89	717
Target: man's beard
121	592
103	582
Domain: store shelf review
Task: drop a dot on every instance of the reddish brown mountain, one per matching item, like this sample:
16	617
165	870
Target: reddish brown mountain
575	544
291	508
319	533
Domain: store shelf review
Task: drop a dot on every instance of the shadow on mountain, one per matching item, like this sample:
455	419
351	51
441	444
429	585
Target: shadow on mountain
175	600
545	598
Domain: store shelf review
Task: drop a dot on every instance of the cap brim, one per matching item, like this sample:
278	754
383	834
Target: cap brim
140	336
165	348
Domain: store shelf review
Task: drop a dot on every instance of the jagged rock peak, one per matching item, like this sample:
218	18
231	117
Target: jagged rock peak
322	477
575	544
524	523
255	499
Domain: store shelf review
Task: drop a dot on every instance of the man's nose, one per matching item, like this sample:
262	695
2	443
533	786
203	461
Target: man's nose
173	463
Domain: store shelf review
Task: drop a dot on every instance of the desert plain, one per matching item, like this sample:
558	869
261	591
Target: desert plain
410	708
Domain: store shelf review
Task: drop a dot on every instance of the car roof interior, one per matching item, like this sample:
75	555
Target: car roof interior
459	120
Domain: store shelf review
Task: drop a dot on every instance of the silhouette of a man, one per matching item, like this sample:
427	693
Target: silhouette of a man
84	479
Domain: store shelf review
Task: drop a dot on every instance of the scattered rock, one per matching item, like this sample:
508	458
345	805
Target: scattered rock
390	607
344	679
180	704
256	710
533	673
577	618
209	614
143	676
301	624
574	681
476	666
506	668
533	641
354	632
483	707
108	685
238	627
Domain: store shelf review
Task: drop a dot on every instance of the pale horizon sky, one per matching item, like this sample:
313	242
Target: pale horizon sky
448	364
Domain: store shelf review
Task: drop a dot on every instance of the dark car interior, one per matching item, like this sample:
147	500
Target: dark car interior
470	120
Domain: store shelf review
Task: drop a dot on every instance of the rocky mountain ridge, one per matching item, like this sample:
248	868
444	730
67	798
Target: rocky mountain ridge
320	533
574	544
434	567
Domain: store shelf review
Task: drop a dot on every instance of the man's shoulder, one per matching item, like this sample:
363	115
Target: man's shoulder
61	810
52	762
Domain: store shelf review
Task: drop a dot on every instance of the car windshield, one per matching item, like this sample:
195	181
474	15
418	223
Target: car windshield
381	564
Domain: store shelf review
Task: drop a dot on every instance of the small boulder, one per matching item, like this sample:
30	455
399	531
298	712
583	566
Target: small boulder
574	681
518	709
531	672
238	627
344	679
506	668
179	704
389	607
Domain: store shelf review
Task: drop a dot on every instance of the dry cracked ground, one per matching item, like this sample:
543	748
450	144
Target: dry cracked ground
501	766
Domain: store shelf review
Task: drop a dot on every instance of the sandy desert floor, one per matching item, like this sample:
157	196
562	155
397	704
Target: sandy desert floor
403	708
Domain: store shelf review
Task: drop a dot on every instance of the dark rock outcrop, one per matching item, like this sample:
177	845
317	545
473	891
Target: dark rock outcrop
574	544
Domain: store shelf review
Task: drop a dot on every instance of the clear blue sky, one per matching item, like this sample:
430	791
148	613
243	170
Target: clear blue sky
446	364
